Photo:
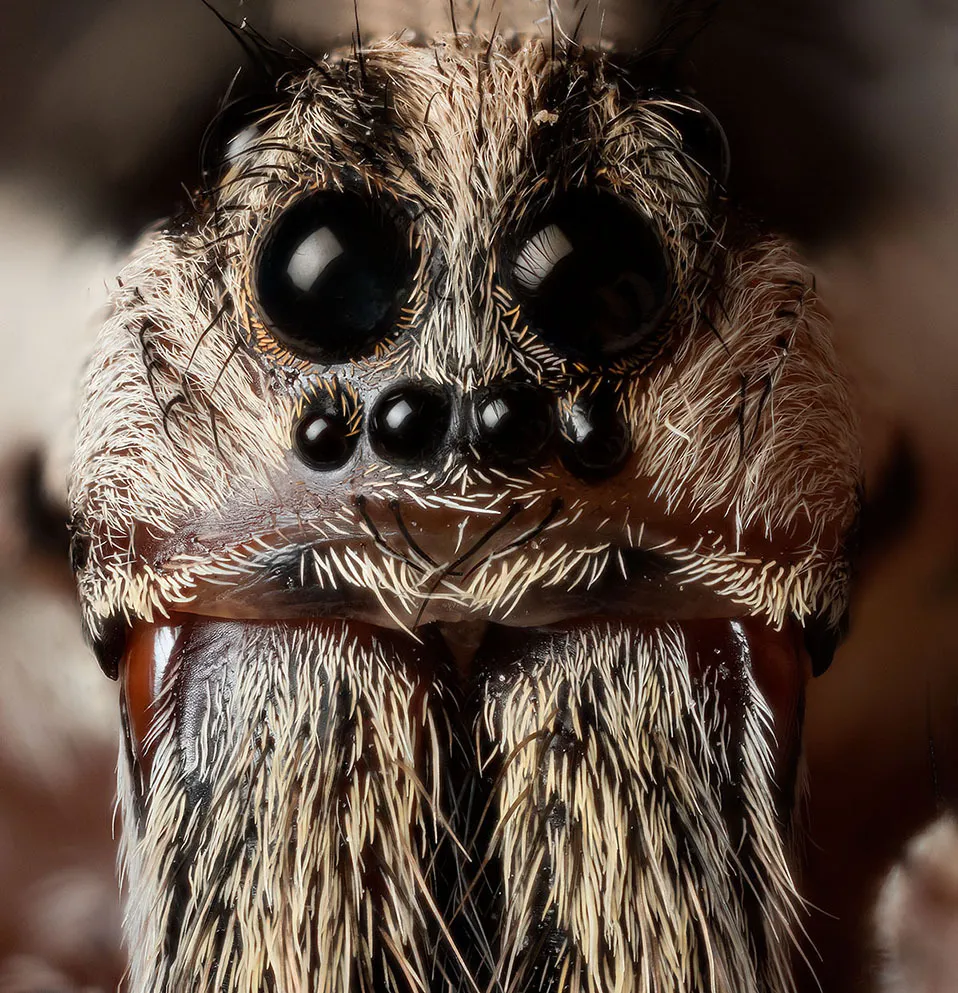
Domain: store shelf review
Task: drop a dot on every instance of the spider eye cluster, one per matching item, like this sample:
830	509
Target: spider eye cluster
593	277
331	275
334	270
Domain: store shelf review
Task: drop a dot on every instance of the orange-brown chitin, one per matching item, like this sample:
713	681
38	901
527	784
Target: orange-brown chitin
144	669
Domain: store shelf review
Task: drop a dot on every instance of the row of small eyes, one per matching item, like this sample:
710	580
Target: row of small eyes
334	271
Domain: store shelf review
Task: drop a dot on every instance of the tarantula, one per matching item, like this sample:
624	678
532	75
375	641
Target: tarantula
463	496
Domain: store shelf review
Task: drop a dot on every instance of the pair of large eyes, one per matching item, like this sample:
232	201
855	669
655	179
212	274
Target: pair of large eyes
335	269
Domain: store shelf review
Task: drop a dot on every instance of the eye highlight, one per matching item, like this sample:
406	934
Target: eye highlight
594	278
331	275
315	253
539	256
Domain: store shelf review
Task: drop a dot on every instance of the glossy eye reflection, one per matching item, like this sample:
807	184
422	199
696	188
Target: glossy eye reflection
331	276
594	278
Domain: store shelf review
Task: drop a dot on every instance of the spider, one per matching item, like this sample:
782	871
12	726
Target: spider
464	494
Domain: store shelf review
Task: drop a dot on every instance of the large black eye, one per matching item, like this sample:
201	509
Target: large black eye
593	277
331	276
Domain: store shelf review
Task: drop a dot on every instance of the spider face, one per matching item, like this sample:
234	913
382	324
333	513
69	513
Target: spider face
462	492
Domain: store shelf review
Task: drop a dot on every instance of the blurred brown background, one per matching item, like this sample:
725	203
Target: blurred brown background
843	120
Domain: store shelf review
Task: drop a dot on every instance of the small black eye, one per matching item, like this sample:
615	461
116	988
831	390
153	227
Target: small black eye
331	276
323	440
593	277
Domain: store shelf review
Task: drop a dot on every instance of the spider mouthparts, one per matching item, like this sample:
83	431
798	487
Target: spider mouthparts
171	670
452	769
463	639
